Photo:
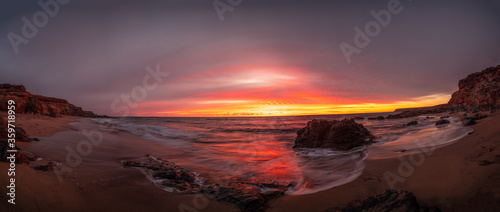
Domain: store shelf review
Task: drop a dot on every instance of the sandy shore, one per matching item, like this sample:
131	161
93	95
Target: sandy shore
450	178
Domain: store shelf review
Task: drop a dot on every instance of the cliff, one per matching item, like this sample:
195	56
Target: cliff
36	104
478	90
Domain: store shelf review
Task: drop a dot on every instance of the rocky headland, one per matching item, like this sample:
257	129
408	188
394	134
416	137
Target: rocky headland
36	104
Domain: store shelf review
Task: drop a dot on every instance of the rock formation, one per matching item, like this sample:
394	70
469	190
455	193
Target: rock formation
247	195
411	123
468	121
442	121
339	135
412	112
21	157
478	90
376	118
36	104
390	200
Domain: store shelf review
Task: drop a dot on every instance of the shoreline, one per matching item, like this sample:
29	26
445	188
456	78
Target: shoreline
450	178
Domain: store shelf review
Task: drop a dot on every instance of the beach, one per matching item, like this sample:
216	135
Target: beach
450	178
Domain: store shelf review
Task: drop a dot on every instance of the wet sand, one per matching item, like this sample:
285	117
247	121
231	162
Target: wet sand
450	178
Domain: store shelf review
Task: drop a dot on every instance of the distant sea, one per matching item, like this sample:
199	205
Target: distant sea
260	148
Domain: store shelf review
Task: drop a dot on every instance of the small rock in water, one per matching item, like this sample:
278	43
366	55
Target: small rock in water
442	121
376	118
247	195
411	123
49	167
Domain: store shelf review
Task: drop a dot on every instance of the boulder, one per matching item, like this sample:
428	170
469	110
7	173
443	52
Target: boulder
479	116
20	156
442	121
339	135
468	122
411	123
376	118
247	195
45	168
390	200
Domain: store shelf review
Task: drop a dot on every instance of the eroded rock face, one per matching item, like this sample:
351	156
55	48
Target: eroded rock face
339	135
21	136
478	90
36	104
390	200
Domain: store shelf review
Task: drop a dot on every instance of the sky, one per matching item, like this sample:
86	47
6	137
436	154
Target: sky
246	57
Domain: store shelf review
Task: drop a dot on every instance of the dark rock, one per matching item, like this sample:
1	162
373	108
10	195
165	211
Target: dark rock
36	104
413	112
376	118
468	122
445	117
390	200
128	164
442	121
21	135
3	128
485	162
175	177
45	168
359	118
247	195
479	116
340	135
20	156
411	123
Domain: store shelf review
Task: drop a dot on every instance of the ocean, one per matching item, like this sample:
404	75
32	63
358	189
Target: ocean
222	149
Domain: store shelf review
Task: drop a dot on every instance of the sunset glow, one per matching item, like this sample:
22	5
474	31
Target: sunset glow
269	92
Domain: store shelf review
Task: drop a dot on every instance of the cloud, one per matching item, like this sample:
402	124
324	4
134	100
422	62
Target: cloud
266	55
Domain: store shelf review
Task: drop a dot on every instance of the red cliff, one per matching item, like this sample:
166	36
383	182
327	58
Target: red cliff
36	104
478	90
